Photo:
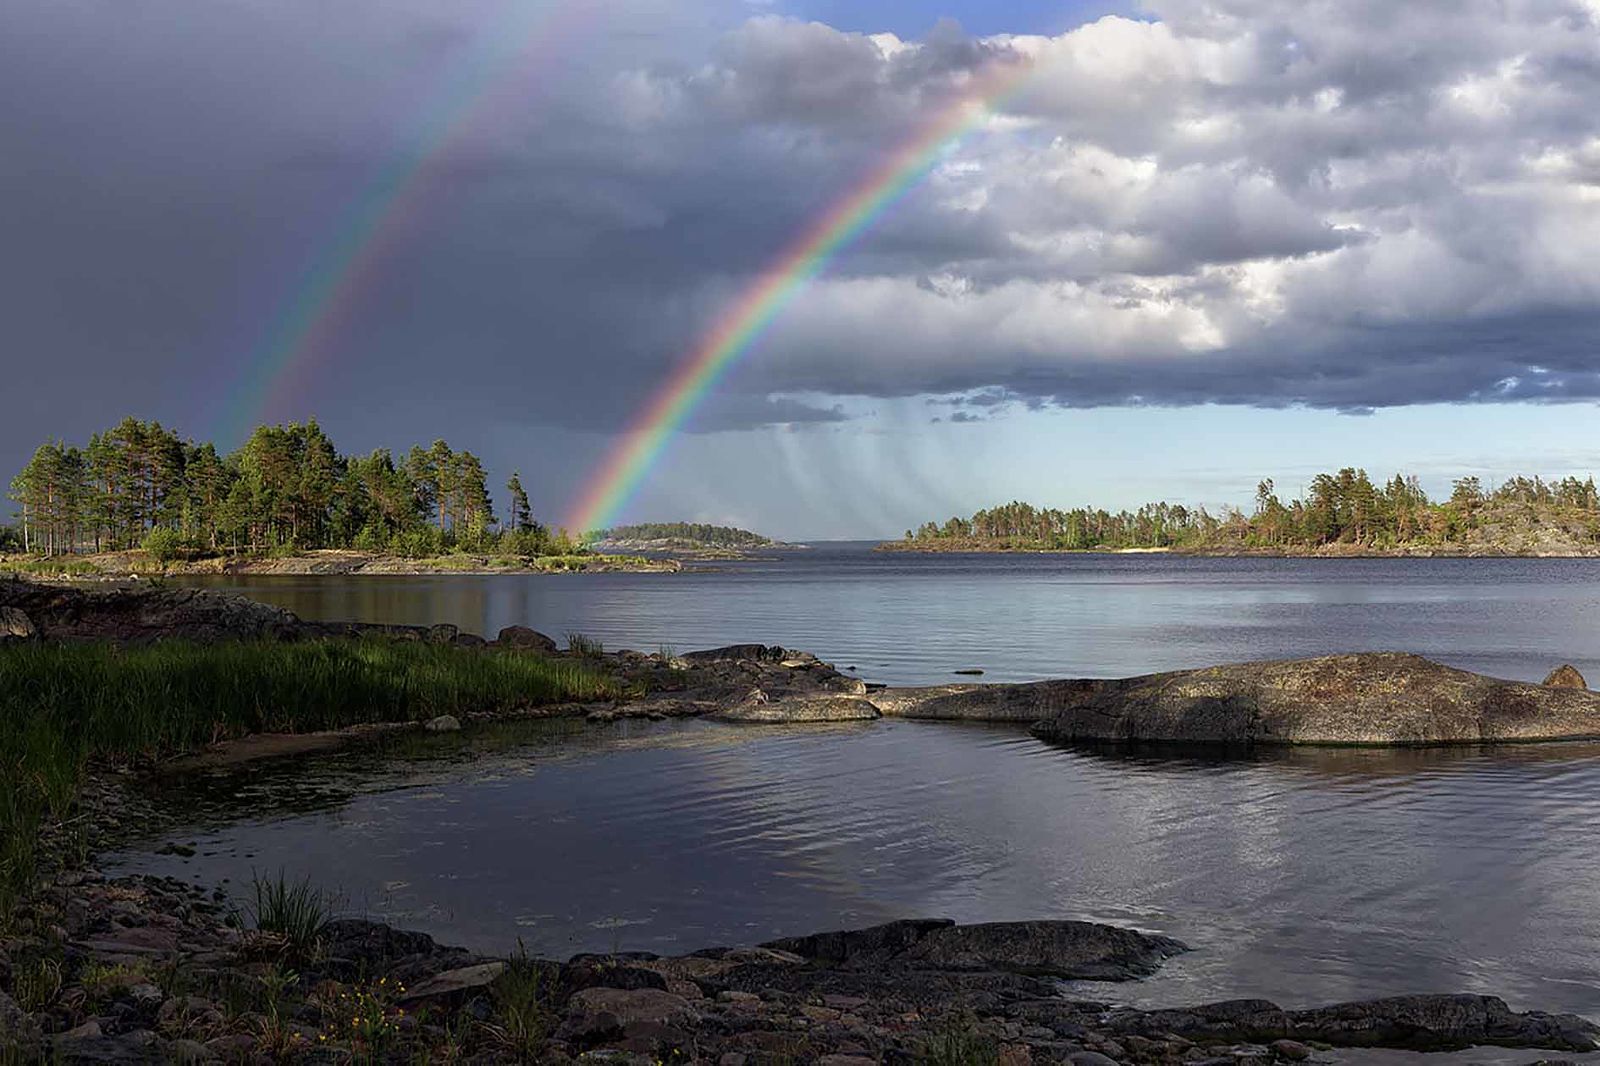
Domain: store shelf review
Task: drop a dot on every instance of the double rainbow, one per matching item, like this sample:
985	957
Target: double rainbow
738	329
373	226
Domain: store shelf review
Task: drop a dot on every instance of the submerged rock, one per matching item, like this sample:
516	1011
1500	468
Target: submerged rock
1078	950
1565	676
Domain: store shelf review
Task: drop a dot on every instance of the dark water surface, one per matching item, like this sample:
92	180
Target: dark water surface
1304	877
908	619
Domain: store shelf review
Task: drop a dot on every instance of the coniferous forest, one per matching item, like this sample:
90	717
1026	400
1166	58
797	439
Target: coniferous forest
139	485
1343	510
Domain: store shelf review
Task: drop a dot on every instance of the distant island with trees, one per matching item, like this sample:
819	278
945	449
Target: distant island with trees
680	536
1343	513
141	492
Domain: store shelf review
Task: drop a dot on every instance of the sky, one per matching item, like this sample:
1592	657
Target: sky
1205	242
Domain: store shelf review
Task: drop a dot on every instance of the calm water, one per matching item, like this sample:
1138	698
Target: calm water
1305	877
915	618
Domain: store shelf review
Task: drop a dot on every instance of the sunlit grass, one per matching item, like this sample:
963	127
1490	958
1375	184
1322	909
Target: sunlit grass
62	705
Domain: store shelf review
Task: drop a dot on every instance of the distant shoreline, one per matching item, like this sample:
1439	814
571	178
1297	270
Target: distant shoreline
327	562
1327	551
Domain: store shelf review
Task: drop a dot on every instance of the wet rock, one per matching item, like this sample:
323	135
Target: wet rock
524	639
1078	950
445	723
1564	676
828	707
760	653
1418	1023
1292	1050
862	947
1441	1023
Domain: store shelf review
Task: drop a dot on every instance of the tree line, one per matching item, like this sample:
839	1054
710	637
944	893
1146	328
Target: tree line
139	484
687	532
1346	507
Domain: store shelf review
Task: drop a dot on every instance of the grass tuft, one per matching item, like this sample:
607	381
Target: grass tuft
295	912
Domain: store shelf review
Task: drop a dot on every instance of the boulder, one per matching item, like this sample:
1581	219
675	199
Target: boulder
15	624
599	1014
1564	676
454	987
524	639
443	633
827	707
1374	698
445	723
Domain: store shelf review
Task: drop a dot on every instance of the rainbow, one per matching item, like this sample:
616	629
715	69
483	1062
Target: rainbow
743	323
375	223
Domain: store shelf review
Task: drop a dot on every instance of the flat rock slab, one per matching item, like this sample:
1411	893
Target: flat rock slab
1384	698
828	707
1076	950
455	984
1419	1023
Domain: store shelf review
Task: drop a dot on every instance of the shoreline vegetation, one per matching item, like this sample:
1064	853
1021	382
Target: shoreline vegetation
138	563
1342	514
101	687
139	499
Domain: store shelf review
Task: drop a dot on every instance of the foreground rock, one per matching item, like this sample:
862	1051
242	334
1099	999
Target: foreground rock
1417	1023
1379	698
145	969
1374	698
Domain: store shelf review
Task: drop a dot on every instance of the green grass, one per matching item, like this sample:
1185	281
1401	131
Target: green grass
62	705
296	911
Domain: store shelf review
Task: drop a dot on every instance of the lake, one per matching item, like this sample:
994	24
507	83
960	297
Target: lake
913	619
1303	876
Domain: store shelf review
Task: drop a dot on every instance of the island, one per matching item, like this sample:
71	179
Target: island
137	499
684	538
1341	514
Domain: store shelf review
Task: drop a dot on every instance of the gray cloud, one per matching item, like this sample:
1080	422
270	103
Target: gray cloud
1330	204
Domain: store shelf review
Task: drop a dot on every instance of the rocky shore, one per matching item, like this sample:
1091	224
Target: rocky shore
144	969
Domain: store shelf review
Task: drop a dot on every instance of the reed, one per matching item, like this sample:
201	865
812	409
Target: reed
62	705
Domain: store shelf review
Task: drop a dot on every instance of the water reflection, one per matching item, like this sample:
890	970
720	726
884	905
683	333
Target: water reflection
1304	876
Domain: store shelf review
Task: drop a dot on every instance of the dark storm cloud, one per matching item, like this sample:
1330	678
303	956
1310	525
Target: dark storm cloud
1332	204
